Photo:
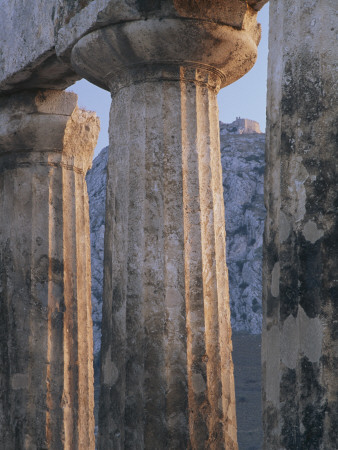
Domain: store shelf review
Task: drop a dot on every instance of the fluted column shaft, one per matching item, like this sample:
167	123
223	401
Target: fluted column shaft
167	374
166	366
46	373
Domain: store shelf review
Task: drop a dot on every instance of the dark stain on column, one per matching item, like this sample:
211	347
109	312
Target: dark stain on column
5	357
270	253
290	433
310	277
149	5
270	420
313	393
288	287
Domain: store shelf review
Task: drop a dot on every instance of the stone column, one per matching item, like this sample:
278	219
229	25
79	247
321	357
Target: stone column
166	318
300	348
46	373
166	365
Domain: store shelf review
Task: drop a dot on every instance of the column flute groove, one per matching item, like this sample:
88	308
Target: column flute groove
135	318
196	354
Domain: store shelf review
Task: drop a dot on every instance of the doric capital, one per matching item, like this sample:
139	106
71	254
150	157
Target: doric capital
221	36
48	122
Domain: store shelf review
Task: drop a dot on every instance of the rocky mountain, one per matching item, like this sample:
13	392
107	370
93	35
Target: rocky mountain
242	156
242	153
96	183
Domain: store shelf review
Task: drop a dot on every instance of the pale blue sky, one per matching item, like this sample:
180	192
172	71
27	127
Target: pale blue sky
246	98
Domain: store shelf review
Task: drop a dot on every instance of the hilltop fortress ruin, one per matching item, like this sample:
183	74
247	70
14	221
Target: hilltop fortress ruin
166	366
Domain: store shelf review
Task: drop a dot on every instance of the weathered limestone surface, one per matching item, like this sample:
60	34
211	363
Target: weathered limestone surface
300	333
46	373
166	366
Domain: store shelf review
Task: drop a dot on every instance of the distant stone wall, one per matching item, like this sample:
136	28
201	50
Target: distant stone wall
241	126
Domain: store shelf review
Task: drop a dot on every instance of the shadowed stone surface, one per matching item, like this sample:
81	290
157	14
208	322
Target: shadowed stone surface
300	348
46	373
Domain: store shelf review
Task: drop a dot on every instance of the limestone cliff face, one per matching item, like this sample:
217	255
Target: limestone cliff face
96	183
242	153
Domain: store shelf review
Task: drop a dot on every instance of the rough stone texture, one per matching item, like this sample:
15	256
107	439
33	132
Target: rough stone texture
244	212
166	367
102	13
46	372
300	351
243	163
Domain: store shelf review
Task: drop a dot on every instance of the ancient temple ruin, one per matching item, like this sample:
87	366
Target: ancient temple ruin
166	370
